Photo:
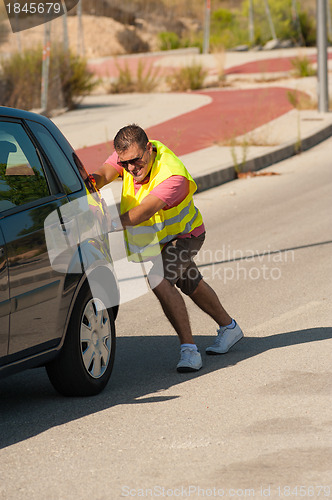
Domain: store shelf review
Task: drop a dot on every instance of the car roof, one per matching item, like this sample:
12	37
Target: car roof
24	115
20	114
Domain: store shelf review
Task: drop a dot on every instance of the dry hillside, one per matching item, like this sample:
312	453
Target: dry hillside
132	27
101	36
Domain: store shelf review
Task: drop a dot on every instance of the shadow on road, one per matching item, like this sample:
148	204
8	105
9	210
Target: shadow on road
103	105
30	406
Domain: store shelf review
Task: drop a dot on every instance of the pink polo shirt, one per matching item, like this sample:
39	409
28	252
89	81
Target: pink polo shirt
172	191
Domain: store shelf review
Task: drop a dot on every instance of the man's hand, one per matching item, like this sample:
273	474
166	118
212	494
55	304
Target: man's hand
105	174
146	209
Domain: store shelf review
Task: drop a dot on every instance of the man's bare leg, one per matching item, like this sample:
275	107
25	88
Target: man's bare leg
207	300
175	310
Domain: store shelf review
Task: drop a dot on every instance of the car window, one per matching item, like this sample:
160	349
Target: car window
84	174
22	179
57	157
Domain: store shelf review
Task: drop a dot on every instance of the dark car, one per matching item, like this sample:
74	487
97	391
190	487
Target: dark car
58	292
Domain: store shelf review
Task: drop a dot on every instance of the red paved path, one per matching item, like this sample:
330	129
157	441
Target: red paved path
109	66
231	113
268	65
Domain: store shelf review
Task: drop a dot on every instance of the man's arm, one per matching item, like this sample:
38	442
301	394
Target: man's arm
105	174
146	209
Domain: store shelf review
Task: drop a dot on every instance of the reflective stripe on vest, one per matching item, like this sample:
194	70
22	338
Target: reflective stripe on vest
147	239
154	239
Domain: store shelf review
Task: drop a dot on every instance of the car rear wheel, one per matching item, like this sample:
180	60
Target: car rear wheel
86	359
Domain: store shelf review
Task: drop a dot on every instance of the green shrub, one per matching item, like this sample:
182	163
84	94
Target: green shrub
190	77
69	79
124	83
308	28
302	67
223	17
192	39
285	26
145	80
21	79
75	79
147	77
168	40
228	29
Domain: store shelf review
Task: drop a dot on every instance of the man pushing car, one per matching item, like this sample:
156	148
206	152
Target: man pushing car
159	218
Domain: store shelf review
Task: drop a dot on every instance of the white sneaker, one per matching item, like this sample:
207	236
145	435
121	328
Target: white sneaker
190	361
226	338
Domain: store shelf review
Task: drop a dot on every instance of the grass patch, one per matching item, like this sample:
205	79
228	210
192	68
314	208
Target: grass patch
239	164
300	101
168	40
302	67
191	77
145	80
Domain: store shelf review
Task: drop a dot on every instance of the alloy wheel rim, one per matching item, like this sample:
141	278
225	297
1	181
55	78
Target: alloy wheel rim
95	338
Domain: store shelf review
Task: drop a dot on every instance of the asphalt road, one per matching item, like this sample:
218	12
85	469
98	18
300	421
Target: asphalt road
255	422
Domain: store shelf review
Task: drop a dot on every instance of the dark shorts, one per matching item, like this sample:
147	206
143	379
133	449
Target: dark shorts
179	267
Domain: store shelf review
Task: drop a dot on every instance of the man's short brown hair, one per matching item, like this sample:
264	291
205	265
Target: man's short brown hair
129	135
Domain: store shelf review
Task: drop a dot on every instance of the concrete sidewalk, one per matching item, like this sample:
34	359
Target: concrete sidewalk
91	127
279	139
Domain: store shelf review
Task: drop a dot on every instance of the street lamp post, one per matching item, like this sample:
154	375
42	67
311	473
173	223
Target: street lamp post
251	23
45	66
65	29
206	42
269	17
80	36
322	78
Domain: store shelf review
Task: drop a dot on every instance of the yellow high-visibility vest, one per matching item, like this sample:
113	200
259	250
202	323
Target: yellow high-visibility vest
147	239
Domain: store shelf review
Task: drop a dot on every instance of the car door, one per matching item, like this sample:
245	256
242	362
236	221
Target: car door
4	298
28	194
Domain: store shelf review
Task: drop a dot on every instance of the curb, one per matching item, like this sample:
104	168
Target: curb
287	150
138	55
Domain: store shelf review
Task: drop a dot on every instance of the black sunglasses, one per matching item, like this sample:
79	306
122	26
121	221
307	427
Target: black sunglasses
133	161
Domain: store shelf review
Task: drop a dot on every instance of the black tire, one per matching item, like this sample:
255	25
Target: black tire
85	362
